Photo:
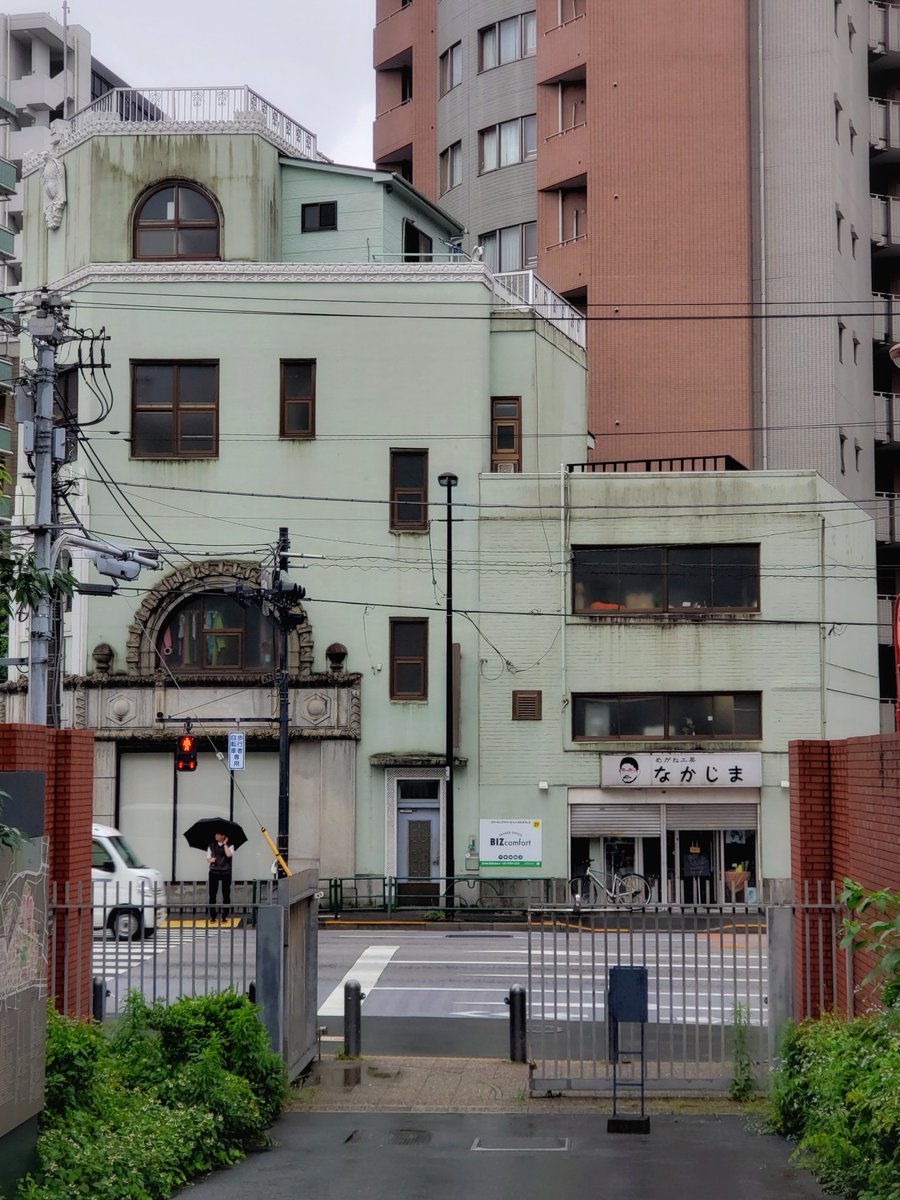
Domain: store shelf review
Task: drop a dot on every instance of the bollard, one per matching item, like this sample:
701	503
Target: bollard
98	996
353	998
518	1052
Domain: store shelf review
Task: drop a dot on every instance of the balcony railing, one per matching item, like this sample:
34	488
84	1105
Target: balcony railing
884	28
182	107
885	220
887	417
886	511
885	317
523	289
885	620
706	462
884	124
888	711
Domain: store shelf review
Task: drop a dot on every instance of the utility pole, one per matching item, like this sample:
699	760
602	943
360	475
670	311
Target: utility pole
282	603
449	481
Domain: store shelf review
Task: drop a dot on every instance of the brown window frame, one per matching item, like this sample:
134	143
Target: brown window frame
656	604
668	734
298	435
176	224
499	456
399	494
404	660
176	408
247	640
522	699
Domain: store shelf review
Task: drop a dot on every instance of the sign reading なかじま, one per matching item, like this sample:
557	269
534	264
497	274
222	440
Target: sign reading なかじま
513	843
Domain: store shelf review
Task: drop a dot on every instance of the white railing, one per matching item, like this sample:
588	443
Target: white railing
888	710
523	289
885	619
887	412
886	220
886	511
884	28
194	106
885	317
884	124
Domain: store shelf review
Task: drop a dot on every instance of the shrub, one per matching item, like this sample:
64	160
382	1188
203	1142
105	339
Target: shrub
175	1092
836	1089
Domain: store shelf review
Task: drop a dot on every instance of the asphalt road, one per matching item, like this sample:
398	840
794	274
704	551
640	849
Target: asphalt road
382	1156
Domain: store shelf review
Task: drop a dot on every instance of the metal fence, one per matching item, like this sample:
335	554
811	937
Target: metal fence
718	975
107	940
463	895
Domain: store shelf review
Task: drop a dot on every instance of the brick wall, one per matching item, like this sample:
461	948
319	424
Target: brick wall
845	823
66	759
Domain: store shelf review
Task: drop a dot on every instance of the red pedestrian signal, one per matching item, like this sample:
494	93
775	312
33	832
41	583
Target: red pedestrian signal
186	755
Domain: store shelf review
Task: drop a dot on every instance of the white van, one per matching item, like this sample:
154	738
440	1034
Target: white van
128	898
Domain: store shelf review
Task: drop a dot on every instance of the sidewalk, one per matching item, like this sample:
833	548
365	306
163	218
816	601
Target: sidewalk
390	1083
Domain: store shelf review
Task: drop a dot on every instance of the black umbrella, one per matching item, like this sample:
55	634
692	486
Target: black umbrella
201	834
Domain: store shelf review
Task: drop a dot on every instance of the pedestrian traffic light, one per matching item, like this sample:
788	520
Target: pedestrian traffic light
186	755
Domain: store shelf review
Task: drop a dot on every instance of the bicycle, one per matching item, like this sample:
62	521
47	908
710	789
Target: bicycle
629	888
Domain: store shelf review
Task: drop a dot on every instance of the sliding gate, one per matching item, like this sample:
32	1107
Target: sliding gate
708	976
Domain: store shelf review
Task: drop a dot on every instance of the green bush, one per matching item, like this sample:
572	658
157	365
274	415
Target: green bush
836	1090
176	1091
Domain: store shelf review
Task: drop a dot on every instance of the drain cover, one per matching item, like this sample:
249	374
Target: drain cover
517	1144
410	1137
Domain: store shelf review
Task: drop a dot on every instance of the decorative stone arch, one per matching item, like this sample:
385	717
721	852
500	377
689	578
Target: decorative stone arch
179	585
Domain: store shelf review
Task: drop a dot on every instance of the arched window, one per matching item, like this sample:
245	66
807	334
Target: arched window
212	632
176	221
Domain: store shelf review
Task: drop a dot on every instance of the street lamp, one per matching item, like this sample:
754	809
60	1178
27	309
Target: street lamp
449	481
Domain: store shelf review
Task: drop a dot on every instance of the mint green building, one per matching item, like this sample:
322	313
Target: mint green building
291	344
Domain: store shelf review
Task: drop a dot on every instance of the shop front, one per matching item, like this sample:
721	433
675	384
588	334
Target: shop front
689	823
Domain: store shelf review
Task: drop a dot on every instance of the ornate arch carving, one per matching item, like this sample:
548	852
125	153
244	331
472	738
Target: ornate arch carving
179	585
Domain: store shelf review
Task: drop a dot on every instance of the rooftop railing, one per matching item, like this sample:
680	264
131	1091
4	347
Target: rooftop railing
518	289
194	106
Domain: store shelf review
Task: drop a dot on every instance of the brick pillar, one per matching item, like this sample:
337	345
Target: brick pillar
66	759
815	767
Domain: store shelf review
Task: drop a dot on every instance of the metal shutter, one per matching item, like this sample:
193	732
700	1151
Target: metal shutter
711	816
628	820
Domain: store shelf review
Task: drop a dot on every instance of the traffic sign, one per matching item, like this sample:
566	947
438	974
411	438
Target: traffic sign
236	742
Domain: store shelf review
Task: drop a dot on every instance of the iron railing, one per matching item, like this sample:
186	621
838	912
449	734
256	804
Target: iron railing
706	462
194	106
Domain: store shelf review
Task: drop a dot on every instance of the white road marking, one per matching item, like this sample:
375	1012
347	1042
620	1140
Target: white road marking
366	971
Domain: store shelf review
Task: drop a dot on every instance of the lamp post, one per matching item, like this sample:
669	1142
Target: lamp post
449	481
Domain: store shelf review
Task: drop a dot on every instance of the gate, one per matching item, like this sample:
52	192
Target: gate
712	971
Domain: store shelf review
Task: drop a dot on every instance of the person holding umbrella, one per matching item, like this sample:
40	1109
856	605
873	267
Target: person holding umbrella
219	855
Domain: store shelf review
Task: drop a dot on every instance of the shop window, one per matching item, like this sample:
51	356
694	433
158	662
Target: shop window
409	490
630	580
409	659
176	221
213	633
693	715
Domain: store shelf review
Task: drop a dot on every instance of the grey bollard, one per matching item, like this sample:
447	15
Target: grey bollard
98	996
518	1051
353	998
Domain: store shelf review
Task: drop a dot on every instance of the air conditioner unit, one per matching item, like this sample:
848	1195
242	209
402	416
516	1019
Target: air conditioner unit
506	468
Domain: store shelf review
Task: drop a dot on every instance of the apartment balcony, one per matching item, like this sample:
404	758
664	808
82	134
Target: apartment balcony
885	318
886	511
564	264
393	38
561	51
884	129
888	711
886	224
563	157
884	33
37	92
393	132
887	417
7	244
885	620
707	462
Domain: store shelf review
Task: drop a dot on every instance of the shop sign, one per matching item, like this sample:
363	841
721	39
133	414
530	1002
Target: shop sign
667	770
515	843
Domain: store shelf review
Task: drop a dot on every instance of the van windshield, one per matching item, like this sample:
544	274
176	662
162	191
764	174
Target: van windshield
125	852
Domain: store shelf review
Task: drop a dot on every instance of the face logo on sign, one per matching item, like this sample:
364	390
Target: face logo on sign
629	770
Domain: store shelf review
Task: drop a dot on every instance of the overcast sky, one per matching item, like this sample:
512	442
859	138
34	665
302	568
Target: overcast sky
313	61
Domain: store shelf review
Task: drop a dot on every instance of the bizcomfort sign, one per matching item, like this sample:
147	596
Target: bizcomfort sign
515	843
